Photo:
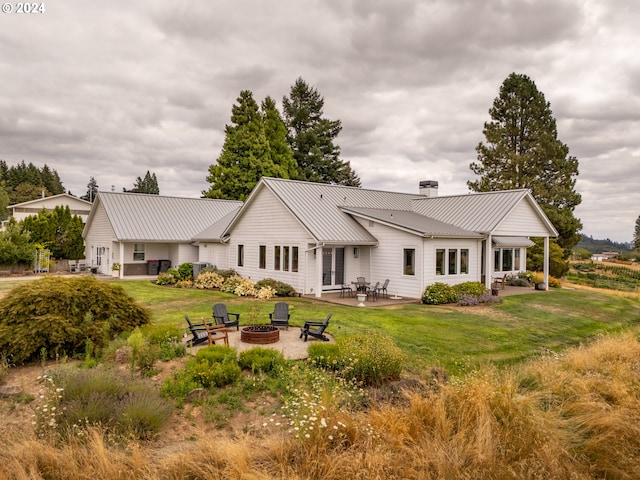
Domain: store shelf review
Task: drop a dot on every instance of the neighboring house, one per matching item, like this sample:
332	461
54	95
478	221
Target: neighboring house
79	207
317	237
604	256
140	230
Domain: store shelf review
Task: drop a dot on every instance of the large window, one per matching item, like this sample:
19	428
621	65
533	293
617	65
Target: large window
263	257
506	259
452	261
138	252
285	259
294	259
240	255
276	257
409	265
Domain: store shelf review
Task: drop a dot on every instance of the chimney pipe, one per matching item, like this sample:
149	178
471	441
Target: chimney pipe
428	188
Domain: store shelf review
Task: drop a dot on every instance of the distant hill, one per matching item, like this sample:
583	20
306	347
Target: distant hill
599	246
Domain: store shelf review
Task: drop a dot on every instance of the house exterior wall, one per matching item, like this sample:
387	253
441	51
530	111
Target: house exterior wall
522	221
217	254
270	224
76	206
100	236
431	273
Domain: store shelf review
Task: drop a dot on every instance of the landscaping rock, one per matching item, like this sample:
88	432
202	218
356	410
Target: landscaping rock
9	391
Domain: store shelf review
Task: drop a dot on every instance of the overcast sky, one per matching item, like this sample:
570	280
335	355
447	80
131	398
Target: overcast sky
115	88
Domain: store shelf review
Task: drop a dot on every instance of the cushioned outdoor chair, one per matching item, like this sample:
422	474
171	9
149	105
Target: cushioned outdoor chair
198	331
315	329
280	315
223	317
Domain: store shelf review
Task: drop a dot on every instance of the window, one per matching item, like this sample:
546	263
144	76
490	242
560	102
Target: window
496	260
276	257
440	261
464	261
263	257
507	259
453	261
516	259
294	259
285	259
138	252
503	259
240	255
409	261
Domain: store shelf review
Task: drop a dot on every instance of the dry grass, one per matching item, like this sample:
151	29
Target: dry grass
573	416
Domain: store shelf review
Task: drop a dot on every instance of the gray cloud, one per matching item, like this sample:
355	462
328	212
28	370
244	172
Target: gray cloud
115	89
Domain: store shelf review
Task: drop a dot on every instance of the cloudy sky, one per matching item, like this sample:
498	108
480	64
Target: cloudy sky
112	89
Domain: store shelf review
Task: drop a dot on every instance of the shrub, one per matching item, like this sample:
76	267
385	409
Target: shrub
100	397
282	289
230	284
167	338
4	368
368	360
59	315
470	288
265	293
260	359
166	278
184	284
185	271
210	375
554	282
217	354
438	293
208	280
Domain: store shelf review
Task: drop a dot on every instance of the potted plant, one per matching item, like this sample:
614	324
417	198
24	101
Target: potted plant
115	269
538	281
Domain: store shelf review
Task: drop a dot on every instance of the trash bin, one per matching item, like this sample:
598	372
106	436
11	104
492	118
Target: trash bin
153	267
165	265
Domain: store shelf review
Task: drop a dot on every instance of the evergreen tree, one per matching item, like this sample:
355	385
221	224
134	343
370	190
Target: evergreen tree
522	151
276	133
636	235
92	190
51	181
252	149
148	185
58	231
26	191
4	200
15	245
311	138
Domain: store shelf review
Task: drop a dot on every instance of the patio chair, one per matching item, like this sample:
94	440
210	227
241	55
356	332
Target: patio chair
345	288
280	315
215	333
222	317
498	283
383	289
373	291
361	284
198	331
315	329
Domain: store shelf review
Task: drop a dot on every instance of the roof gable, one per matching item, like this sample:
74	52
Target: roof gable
62	199
143	217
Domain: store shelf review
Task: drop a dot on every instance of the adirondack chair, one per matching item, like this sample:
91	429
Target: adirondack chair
198	331
315	329
223	317
280	315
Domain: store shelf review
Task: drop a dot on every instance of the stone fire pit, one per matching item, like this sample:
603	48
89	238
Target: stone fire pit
259	334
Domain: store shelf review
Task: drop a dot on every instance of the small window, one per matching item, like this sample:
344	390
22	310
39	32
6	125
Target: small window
285	259
453	261
516	259
263	257
138	252
276	257
440	261
240	255
409	267
294	259
464	261
496	260
507	259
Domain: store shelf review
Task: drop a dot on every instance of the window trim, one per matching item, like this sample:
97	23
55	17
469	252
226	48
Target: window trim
262	257
240	258
137	252
409	262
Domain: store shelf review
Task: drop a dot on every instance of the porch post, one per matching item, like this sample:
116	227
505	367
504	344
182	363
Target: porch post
488	262
546	263
318	271
121	259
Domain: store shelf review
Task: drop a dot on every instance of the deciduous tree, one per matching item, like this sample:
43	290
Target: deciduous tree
522	150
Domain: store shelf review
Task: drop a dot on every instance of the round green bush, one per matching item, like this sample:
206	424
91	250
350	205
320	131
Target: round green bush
469	288
260	359
439	293
166	278
54	317
282	289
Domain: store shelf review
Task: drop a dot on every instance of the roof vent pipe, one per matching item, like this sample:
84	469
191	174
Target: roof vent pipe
429	188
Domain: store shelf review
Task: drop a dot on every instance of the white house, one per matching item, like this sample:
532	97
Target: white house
76	205
144	232
317	237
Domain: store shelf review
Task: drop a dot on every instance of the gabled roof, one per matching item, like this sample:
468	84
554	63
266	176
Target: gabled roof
478	212
60	199
153	218
412	222
315	206
215	232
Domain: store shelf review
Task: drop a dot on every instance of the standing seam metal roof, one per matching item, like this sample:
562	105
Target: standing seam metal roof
135	216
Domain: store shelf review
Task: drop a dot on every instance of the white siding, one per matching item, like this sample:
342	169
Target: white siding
430	248
101	234
217	254
269	223
522	221
187	253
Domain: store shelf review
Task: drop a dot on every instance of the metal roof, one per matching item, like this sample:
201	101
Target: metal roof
315	205
153	218
413	222
478	212
214	233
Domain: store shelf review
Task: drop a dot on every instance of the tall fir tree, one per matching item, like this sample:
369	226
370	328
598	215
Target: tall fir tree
522	150
92	190
311	138
636	235
253	148
148	185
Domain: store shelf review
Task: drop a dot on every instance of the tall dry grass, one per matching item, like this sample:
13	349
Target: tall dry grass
573	416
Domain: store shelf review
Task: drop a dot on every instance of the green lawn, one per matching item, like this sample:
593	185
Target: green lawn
456	338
